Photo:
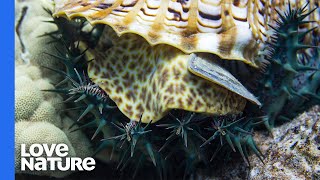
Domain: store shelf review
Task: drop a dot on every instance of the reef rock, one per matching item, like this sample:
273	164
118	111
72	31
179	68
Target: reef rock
38	114
32	22
38	119
293	152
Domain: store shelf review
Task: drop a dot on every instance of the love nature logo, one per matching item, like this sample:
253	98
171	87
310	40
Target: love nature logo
40	157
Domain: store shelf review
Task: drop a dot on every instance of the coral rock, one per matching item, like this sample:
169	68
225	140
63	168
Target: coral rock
42	133
31	103
293	152
31	45
38	121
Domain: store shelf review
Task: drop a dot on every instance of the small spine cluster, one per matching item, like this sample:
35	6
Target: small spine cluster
281	90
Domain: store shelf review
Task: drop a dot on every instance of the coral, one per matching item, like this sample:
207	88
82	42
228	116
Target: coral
40	132
38	113
31	103
293	152
30	46
38	120
26	102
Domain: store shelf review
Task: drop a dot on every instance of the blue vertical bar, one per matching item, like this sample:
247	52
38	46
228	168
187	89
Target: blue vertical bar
7	90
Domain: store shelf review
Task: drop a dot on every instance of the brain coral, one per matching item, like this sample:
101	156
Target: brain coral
40	132
31	103
30	46
37	118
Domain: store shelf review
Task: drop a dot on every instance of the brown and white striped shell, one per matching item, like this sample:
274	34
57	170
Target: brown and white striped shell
228	28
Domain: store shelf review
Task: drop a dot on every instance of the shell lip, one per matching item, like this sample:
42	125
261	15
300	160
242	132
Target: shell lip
70	16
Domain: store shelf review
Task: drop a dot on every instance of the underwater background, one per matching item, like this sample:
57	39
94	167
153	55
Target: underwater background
57	102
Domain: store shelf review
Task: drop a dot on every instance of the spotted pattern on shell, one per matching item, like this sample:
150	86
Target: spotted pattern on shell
155	81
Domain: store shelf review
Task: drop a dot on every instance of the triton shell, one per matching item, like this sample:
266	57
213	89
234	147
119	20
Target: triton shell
147	70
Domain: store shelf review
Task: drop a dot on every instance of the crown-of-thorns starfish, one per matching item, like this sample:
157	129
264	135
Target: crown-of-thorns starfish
159	58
